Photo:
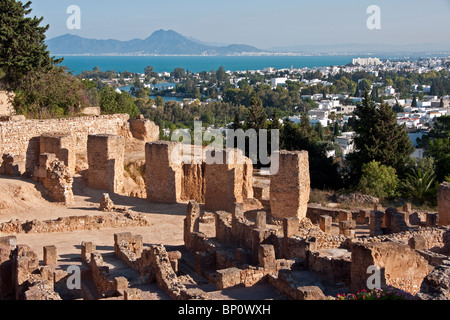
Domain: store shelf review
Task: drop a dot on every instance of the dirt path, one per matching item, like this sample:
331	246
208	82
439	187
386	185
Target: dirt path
22	200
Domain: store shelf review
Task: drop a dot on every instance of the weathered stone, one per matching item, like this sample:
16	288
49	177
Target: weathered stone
106	162
50	255
266	256
62	145
326	223
290	187
310	293
164	172
144	129
399	265
106	204
290	227
417	242
228	278
376	220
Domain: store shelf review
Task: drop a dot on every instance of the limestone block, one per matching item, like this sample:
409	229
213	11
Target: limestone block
290	187
164	172
106	162
50	255
399	265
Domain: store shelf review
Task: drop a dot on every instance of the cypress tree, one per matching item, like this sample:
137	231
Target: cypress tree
22	47
379	138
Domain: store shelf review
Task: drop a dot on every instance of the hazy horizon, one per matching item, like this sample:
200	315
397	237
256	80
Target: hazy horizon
263	24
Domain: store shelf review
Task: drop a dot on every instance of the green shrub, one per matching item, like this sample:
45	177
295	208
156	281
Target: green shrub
378	180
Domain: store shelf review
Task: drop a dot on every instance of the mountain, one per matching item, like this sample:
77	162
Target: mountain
159	43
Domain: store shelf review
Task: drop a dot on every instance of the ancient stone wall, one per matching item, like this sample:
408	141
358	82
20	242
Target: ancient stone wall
106	162
63	145
164	172
144	129
290	187
22	137
115	220
399	265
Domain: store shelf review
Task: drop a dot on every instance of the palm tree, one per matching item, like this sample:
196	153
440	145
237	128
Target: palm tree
420	184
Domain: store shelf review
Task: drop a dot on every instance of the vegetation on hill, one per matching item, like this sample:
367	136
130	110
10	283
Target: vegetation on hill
43	89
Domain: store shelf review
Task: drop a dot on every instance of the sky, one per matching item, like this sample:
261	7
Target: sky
260	23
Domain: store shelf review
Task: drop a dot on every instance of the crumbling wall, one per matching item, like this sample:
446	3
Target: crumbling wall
227	180
63	145
144	129
164	172
67	224
290	187
106	162
22	137
399	265
55	177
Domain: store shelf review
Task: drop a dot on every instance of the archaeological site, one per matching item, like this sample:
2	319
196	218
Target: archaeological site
98	208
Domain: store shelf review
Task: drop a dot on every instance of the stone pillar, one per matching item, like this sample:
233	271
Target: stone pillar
363	217
50	256
290	187
326	223
376	220
63	146
87	248
444	204
260	221
432	220
345	216
191	222
164	171
224	179
290	227
106	162
347	228
266	256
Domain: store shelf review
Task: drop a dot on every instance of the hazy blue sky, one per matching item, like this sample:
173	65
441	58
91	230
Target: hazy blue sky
261	23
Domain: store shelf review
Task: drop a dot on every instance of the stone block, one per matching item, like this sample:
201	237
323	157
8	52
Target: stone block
50	255
164	171
106	162
310	293
326	223
399	266
228	278
290	187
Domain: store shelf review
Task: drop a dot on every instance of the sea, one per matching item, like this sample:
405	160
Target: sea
137	64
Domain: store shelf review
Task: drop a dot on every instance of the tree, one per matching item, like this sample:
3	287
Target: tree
414	102
378	180
437	145
378	138
22	47
256	115
178	73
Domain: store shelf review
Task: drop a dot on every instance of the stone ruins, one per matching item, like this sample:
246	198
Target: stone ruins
241	233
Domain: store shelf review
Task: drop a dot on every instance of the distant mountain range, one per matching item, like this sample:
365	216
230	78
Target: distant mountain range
159	43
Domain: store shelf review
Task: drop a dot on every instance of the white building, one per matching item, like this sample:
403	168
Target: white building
367	61
278	82
347	142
